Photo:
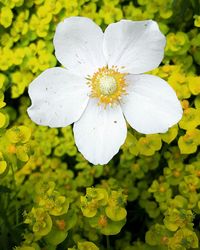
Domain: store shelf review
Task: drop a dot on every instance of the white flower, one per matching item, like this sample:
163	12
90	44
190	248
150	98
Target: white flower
102	83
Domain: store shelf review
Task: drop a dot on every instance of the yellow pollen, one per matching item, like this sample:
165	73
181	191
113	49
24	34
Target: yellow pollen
108	85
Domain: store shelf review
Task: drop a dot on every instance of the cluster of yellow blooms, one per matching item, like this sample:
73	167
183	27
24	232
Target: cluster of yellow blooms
50	195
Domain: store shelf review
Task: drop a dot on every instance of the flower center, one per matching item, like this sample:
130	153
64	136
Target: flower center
108	85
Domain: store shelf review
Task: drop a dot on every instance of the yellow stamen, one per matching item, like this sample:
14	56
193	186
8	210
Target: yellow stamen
108	85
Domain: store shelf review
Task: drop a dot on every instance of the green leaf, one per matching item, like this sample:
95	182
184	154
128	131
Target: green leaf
4	189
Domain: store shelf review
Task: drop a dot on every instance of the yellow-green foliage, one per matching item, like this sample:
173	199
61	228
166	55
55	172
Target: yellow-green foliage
50	196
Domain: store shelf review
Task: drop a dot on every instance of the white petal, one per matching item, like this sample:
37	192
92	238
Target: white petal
78	45
138	46
58	98
151	105
100	132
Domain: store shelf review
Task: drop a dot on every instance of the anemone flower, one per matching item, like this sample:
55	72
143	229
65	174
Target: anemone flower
102	85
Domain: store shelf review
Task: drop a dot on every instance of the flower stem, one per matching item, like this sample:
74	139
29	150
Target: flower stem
107	242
